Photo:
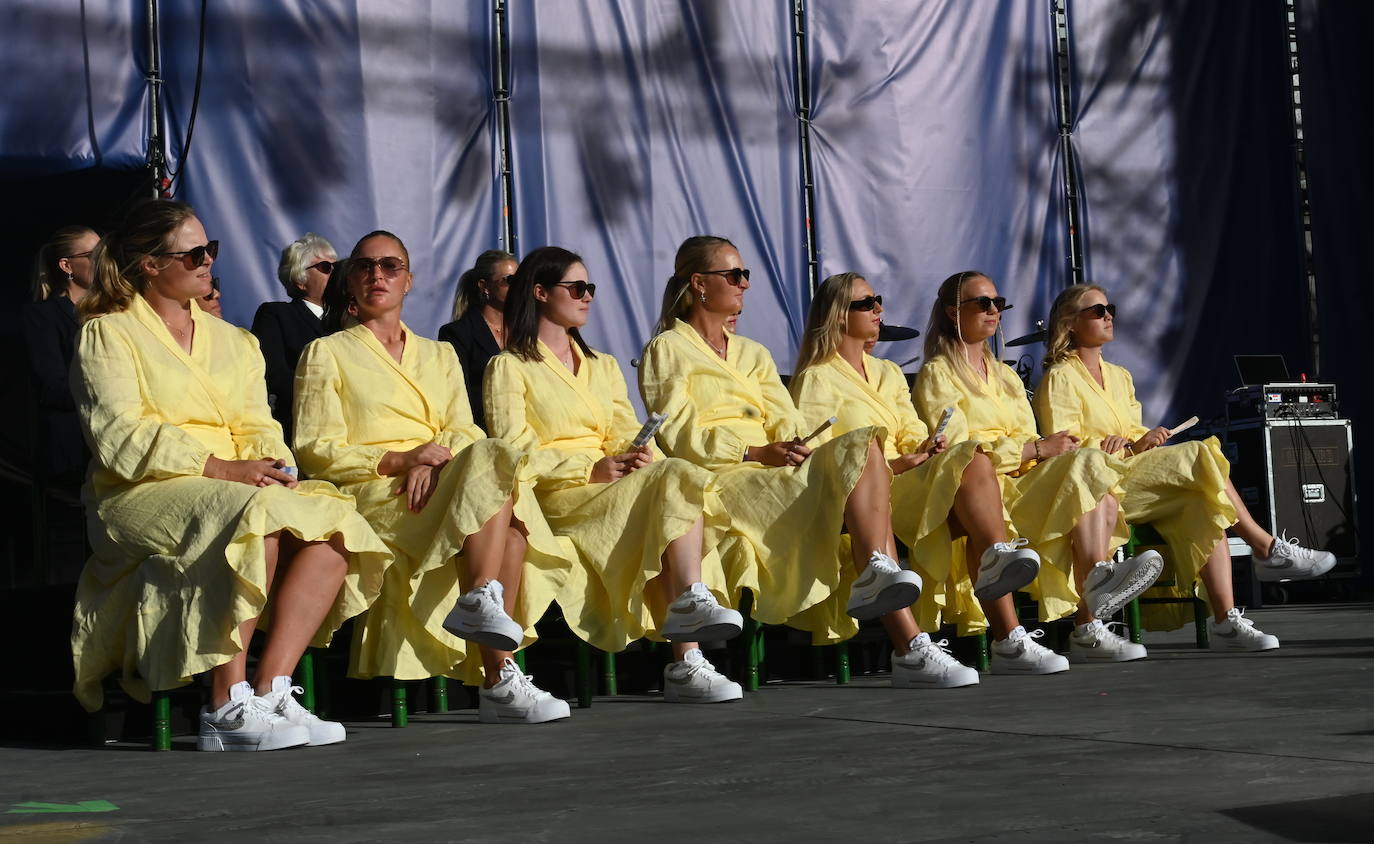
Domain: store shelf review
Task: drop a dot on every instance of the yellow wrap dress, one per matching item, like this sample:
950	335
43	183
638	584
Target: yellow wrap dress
786	522
353	403
178	558
1179	489
567	422
921	497
1045	498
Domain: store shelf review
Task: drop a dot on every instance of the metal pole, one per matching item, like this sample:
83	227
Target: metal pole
1069	160
500	82
1309	270
801	61
157	151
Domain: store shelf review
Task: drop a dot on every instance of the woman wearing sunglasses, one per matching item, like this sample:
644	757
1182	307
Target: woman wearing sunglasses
382	412
284	328
1060	497
477	331
937	491
197	522
728	411
1183	490
642	523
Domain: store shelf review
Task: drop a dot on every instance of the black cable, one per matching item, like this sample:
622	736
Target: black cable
195	106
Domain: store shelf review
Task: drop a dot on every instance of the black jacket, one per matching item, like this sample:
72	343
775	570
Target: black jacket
283	329
475	345
50	330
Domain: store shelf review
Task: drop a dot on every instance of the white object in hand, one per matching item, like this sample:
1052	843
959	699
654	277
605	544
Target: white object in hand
944	423
816	433
1183	426
651	426
291	470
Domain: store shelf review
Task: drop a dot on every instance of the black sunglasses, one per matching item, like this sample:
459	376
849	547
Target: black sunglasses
867	303
987	304
503	281
578	289
1100	311
736	277
362	267
196	255
325	267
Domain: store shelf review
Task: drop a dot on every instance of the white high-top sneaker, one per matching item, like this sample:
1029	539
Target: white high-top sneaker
1005	567
693	679
283	701
1019	653
247	722
1288	560
696	616
480	616
930	665
1111	586
1238	633
882	587
517	700
1097	642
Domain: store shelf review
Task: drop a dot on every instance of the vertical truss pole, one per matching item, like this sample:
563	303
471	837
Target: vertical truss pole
500	84
157	149
1304	199
1068	159
801	62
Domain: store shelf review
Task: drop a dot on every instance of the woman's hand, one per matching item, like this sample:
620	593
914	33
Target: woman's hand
1113	444
1051	446
264	472
401	462
1153	437
908	462
789	453
616	466
418	485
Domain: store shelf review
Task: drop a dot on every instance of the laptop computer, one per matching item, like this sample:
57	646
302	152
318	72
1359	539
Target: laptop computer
1255	370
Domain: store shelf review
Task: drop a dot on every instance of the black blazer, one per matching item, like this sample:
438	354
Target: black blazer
475	345
283	329
50	330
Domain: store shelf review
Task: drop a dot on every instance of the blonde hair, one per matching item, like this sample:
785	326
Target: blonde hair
693	256
48	279
943	336
1059	345
117	258
825	322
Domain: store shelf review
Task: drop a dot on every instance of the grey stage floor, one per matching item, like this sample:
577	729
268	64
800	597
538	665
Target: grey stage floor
1186	746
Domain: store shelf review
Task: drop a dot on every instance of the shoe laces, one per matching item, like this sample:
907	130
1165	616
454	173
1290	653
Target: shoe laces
1004	547
1236	615
1291	547
939	652
882	562
700	666
700	595
286	704
1032	646
520	680
1109	632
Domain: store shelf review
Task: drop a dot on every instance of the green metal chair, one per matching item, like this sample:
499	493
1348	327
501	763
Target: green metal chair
1146	536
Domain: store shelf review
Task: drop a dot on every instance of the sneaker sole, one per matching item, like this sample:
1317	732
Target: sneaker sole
489	638
1242	650
709	633
1143	578
895	597
1084	659
486	718
913	685
217	744
1014	576
736	694
1025	672
1264	574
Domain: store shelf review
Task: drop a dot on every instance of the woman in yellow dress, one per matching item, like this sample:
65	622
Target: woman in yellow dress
197	521
1184	490
384	413
641	522
1060	497
938	492
727	410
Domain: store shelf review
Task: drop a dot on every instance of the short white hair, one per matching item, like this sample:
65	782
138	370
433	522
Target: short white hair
295	260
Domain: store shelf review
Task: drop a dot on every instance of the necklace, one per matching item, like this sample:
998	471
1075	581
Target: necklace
720	350
180	332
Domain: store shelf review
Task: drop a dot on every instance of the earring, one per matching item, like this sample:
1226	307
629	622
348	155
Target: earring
69	278
703	298
483	293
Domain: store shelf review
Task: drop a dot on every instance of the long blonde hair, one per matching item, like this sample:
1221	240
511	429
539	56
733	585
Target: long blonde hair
943	337
118	279
825	322
693	256
1059	346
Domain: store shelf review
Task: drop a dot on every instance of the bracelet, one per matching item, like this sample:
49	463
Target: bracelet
1037	448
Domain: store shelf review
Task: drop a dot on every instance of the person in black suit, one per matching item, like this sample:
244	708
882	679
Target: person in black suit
478	332
62	273
284	328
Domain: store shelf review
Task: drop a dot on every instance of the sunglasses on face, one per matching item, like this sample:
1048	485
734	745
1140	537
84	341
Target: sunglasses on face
1100	311
77	255
325	267
503	281
362	267
578	289
197	255
736	277
867	303
990	304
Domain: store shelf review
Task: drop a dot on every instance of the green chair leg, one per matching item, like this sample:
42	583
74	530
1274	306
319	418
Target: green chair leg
162	721
1200	619
400	713
520	660
753	644
609	680
1133	621
841	663
984	651
305	670
438	694
584	675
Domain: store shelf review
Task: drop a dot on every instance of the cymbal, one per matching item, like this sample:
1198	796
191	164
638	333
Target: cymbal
896	332
1034	337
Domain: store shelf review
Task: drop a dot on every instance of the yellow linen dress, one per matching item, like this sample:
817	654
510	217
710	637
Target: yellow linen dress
178	558
1044	499
785	522
567	422
921	497
1179	489
353	404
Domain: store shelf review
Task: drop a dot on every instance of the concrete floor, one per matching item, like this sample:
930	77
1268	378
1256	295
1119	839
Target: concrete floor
1185	746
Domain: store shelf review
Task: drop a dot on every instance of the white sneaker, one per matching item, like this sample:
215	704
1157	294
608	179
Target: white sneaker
1238	633
247	722
1290	561
1004	568
693	679
480	616
882	587
282	699
929	665
697	616
1111	586
1097	642
1019	653
517	700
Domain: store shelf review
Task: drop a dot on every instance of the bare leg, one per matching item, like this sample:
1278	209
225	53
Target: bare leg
901	628
1216	576
978	505
682	568
1260	540
868	511
304	595
1089	540
486	549
223	677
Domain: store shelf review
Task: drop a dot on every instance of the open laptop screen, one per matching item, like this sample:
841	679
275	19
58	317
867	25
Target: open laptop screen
1261	369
